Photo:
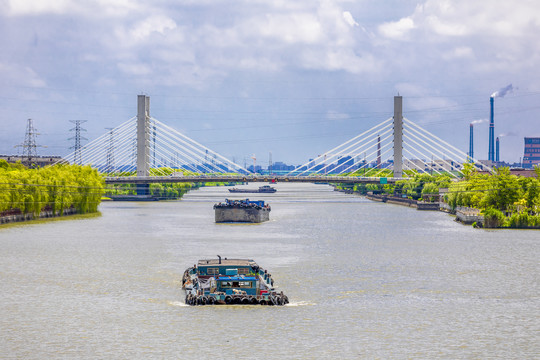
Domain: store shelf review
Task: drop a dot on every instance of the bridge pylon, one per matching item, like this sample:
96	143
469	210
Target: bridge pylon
143	141
143	135
398	136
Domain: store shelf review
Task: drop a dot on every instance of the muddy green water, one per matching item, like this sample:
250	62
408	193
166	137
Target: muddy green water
365	280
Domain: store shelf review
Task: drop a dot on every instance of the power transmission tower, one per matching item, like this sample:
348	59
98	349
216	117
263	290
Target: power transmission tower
29	146
77	156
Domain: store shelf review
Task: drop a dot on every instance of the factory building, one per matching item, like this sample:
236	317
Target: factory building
531	154
35	161
430	166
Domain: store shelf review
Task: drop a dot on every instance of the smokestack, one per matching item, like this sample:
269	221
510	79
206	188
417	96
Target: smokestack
497	150
379	152
471	147
491	150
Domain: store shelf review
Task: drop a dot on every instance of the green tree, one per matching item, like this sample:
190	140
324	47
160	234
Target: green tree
537	171
431	190
493	218
504	190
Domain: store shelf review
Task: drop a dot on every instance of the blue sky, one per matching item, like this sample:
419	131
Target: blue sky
295	78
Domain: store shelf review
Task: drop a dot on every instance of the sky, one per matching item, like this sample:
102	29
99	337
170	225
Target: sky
291	77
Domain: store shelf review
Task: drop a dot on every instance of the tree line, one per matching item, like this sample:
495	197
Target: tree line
53	188
504	199
163	190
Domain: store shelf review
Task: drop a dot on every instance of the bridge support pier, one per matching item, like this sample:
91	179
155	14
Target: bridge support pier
398	136
143	189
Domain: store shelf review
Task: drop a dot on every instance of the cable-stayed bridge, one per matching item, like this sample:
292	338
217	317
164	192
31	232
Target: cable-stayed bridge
144	150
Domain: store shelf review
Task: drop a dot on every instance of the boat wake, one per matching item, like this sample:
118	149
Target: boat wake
301	303
177	303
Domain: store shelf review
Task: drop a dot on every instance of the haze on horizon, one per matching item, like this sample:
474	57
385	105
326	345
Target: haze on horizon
295	78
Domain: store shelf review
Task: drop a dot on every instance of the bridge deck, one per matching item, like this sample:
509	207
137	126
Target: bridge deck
246	178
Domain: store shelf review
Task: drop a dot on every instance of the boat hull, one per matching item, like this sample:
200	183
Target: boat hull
245	191
266	189
249	215
212	299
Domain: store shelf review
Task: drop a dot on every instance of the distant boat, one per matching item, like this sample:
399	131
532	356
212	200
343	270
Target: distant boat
262	189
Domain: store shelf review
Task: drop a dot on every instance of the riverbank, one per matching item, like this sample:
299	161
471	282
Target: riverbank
45	217
466	216
463	215
419	205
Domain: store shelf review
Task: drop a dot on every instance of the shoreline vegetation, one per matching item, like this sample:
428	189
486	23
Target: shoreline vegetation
500	199
497	200
35	195
48	192
165	191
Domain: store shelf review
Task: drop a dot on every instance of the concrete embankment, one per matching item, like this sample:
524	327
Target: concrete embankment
14	218
464	215
419	205
469	216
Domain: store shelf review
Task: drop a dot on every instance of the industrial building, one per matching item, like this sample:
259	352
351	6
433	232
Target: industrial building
432	166
531	154
35	161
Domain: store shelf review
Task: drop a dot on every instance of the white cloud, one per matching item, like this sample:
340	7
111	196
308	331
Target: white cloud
141	31
34	7
20	75
287	28
479	121
87	8
154	24
339	59
460	52
349	18
423	99
445	28
469	18
397	30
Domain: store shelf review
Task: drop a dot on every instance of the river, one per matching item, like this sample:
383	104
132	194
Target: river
365	280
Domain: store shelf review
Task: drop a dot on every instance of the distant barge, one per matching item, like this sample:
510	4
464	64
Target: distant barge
242	211
229	282
263	189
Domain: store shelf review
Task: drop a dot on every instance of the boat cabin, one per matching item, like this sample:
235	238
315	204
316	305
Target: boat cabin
227	267
231	285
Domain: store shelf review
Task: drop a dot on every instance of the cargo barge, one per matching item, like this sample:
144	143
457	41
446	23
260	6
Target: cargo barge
229	282
263	189
242	211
